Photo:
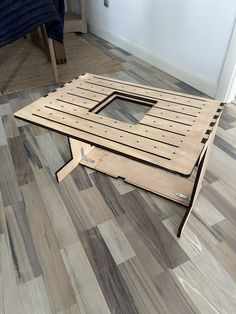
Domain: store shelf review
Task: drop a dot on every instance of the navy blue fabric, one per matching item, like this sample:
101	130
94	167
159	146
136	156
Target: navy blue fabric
20	17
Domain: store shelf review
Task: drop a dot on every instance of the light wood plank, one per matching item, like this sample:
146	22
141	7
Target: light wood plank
56	209
88	293
57	283
10	299
34	298
210	295
116	241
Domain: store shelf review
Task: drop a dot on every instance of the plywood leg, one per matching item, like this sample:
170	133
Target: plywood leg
196	189
203	162
79	150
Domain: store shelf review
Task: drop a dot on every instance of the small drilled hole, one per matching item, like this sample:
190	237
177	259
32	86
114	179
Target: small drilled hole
63	118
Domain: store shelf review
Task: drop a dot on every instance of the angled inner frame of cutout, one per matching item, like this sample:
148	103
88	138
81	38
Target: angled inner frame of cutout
124	107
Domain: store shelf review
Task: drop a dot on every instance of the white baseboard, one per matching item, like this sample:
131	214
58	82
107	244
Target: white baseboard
192	79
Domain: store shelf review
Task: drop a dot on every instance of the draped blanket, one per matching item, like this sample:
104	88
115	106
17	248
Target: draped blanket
20	17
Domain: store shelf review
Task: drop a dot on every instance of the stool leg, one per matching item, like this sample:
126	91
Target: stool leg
196	190
79	150
199	177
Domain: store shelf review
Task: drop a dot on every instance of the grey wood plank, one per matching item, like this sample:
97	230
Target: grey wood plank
50	152
154	234
116	241
208	284
146	296
3	138
87	290
10	299
23	251
20	161
145	256
34	297
113	286
56	209
8	182
173	295
57	283
108	191
226	257
31	147
196	238
9	123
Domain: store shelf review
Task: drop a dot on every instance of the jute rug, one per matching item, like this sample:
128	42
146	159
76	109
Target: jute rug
24	66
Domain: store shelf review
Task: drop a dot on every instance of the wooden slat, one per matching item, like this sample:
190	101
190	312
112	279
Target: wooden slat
146	91
146	132
117	136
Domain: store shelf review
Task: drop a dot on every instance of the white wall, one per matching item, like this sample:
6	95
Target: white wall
186	38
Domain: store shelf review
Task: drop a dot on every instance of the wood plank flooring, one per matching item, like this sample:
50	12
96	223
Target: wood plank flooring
93	244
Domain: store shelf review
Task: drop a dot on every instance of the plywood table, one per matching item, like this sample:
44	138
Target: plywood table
159	153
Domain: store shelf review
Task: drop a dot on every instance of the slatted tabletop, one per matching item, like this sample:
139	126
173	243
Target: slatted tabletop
171	135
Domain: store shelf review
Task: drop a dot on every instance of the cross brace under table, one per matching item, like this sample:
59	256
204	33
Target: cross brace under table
158	153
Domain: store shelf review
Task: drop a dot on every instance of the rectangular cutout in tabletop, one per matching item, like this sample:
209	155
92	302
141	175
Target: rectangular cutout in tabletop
123	108
166	131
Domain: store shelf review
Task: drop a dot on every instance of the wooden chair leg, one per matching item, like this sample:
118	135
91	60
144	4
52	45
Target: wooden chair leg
79	150
53	60
59	52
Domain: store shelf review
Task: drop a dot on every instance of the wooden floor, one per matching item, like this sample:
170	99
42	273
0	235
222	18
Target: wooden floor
93	244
